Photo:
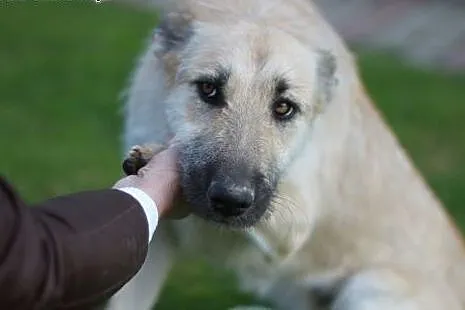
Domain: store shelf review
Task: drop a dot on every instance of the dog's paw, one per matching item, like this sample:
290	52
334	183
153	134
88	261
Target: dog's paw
139	156
135	160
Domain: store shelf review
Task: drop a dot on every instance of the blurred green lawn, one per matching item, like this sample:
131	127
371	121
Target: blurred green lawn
63	65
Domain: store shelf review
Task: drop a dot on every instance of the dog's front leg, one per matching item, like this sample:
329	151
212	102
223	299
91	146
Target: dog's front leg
388	290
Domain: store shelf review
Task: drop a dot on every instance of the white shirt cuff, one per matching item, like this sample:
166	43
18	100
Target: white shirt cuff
148	205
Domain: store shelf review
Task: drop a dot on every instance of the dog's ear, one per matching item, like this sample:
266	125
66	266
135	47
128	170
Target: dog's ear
326	75
173	32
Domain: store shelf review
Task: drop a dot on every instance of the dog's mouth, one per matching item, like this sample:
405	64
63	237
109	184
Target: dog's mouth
236	197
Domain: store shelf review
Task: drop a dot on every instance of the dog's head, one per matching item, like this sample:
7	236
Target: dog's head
242	98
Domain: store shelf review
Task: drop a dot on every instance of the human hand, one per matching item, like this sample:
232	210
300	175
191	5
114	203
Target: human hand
159	179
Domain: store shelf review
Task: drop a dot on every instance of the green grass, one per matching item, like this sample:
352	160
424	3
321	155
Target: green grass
63	65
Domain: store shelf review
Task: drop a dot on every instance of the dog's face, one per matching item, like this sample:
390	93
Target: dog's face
241	103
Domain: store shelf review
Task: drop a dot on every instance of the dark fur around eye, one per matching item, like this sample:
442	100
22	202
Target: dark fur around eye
210	92
210	88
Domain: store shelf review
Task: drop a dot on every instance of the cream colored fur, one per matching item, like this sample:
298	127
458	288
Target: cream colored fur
360	224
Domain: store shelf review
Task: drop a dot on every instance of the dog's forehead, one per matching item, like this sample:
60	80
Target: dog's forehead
249	52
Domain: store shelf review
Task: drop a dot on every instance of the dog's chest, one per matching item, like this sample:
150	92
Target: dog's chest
258	271
263	272
264	264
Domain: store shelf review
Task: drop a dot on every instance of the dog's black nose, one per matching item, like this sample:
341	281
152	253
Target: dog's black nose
230	199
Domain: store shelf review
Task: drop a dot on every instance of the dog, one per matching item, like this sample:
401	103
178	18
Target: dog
294	180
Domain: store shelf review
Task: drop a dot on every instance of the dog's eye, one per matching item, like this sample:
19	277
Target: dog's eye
284	110
207	90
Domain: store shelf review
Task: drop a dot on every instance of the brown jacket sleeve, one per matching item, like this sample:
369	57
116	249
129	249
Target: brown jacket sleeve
70	252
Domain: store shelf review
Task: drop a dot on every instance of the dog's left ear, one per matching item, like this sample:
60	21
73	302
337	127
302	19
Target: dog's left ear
326	76
173	32
171	35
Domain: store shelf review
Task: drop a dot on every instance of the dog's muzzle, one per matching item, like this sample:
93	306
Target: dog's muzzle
225	189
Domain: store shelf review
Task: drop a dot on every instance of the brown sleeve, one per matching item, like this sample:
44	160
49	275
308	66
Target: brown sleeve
69	252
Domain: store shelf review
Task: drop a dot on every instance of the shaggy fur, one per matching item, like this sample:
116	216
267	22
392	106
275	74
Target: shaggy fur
339	216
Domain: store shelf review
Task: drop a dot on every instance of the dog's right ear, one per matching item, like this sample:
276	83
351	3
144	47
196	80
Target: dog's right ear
173	32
